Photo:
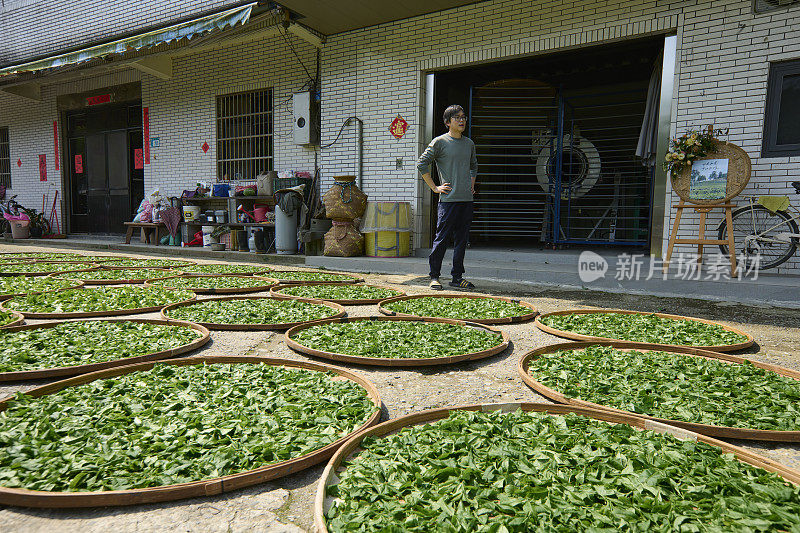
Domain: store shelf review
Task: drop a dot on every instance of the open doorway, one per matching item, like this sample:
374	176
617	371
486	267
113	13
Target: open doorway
556	137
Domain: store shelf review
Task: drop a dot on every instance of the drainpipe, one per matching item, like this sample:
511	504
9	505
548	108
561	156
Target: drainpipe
359	152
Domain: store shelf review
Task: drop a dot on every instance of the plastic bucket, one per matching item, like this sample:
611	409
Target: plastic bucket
191	213
20	229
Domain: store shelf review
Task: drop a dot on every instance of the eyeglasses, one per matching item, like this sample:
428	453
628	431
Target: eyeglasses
459	118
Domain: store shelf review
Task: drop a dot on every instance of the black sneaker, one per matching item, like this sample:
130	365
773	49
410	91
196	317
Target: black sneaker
461	284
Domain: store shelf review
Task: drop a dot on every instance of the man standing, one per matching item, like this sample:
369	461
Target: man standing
458	167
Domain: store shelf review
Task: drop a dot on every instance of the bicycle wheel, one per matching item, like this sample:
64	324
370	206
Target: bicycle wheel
756	232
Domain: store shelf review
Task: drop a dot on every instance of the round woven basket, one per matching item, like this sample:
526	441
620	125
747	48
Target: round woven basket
723	432
77	285
146	273
76	259
387	361
206	487
580	337
351	448
277	292
253	327
75	370
76	269
353	279
507	320
93	314
265	286
739	169
19	318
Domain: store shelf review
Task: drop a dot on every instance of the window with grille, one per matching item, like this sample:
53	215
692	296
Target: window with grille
782	113
244	135
5	159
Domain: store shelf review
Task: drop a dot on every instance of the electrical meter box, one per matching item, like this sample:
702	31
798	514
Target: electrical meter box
306	118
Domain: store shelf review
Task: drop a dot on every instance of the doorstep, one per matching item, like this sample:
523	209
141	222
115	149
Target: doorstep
520	272
115	243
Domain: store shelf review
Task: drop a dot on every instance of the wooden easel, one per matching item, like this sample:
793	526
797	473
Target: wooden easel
701	240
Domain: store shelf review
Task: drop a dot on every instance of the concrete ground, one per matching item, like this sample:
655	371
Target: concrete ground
286	504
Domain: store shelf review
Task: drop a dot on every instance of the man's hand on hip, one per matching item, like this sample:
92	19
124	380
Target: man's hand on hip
444	188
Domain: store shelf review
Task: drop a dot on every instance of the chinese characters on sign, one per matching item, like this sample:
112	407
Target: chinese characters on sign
42	167
55	142
78	164
99	99
138	159
146	133
399	127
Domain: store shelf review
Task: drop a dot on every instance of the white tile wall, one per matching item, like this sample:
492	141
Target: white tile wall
376	73
58	27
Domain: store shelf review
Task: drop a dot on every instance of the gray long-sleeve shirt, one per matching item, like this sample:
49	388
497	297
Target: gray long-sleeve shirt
457	165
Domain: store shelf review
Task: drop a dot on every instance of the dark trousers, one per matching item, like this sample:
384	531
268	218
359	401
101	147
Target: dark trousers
455	219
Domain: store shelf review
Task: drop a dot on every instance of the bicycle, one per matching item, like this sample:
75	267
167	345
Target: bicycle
762	238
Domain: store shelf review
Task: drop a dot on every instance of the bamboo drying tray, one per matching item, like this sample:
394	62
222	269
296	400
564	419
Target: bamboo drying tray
277	292
387	361
252	327
90	266
580	337
78	284
93	314
178	265
507	320
146	273
329	476
261	272
353	279
207	487
20	319
94	367
76	259
723	432
265	286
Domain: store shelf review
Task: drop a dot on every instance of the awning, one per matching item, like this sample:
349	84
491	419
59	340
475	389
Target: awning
184	30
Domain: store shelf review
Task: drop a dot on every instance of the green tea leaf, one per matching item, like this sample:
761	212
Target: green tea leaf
174	424
340	292
458	308
397	339
82	343
489	472
644	328
97	299
252	311
674	386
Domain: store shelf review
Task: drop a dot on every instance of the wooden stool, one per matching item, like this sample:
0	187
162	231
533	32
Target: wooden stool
701	240
146	229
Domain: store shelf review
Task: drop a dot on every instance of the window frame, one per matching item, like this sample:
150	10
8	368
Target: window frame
5	177
244	143
777	72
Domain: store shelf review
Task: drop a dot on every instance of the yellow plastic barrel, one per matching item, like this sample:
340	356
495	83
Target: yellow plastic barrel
387	229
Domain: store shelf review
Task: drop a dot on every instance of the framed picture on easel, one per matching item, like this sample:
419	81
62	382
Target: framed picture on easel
708	179
706	174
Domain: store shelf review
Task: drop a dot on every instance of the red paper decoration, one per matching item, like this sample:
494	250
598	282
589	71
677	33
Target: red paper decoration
205	147
399	127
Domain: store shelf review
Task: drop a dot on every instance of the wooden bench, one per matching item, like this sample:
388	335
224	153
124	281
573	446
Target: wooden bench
146	229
